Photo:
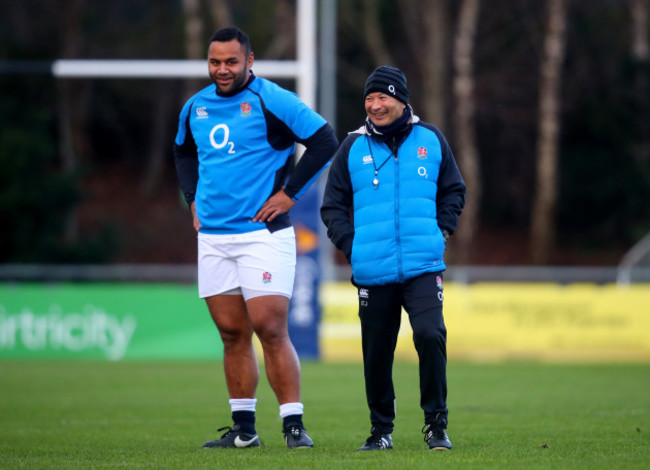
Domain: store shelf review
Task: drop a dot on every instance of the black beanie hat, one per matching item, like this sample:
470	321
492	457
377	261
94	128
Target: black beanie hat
388	80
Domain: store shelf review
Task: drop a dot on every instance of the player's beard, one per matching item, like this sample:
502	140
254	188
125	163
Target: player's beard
238	81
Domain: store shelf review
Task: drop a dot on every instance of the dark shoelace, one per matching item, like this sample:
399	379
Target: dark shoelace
430	431
229	430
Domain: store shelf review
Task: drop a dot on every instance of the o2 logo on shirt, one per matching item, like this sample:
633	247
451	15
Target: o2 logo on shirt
219	138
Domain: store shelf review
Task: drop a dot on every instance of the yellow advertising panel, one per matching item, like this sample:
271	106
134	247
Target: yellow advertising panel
493	321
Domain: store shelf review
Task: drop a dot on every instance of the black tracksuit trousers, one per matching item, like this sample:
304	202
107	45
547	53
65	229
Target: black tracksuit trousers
380	310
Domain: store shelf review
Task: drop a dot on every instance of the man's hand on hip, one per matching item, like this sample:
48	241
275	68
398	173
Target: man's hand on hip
277	204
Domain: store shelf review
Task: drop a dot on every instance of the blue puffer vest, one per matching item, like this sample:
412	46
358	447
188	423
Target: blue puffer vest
396	233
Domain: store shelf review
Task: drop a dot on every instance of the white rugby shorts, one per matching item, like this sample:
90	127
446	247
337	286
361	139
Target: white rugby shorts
251	264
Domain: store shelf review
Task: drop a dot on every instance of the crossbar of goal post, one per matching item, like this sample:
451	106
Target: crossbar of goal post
303	70
70	68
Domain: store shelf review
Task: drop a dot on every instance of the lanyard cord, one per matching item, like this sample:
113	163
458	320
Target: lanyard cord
375	181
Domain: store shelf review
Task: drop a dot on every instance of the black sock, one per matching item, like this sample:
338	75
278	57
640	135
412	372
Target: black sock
245	420
292	420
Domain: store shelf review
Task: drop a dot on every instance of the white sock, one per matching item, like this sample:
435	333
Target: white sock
242	404
289	409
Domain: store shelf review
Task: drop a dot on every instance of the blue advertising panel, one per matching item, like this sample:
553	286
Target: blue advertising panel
305	310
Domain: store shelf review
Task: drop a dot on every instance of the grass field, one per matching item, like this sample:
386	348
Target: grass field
135	415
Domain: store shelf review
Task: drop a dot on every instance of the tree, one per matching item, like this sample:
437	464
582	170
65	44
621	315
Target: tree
195	48
283	42
463	119
543	223
641	56
220	11
639	15
164	103
373	39
425	26
73	105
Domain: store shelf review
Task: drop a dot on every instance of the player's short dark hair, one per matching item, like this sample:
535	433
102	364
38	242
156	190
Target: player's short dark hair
230	33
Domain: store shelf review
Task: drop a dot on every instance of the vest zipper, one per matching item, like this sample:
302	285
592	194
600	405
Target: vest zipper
397	225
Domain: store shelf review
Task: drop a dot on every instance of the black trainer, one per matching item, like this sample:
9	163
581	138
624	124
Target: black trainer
233	437
296	437
377	441
436	437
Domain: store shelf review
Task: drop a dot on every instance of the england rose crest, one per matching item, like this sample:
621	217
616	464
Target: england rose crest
266	277
245	108
422	153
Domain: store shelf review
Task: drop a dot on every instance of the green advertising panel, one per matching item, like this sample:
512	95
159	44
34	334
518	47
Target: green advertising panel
105	321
